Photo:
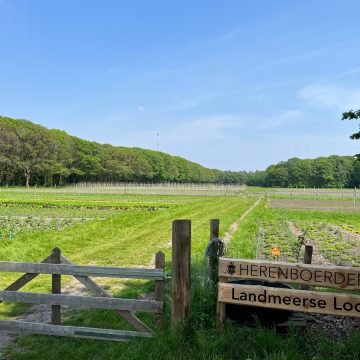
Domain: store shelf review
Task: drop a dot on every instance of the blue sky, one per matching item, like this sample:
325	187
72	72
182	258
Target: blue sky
229	84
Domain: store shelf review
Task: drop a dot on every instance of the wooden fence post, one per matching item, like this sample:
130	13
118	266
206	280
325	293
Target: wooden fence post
181	282
56	289
307	260
214	228
160	289
214	250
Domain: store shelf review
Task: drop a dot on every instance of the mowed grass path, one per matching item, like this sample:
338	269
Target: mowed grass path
128	239
131	238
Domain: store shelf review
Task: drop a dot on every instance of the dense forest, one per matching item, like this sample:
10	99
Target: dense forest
31	154
333	172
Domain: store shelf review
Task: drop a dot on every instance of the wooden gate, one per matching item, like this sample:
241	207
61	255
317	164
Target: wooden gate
57	265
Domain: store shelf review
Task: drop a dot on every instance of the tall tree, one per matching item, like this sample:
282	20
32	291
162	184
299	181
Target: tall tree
353	115
34	153
9	148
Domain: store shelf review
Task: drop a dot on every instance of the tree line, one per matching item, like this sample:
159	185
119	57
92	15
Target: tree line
31	154
329	172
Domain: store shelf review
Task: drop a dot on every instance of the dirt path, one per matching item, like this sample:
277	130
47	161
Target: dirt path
228	236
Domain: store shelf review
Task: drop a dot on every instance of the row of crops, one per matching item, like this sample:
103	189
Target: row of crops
11	227
25	213
338	242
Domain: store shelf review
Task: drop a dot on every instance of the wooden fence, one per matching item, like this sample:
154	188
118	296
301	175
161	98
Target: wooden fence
57	265
201	189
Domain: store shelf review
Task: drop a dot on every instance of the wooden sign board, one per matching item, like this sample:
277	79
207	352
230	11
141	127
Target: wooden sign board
339	277
289	299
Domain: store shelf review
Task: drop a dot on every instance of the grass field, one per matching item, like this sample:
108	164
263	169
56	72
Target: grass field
127	230
110	229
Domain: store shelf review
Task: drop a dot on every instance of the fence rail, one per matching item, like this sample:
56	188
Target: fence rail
70	331
81	302
80	270
57	265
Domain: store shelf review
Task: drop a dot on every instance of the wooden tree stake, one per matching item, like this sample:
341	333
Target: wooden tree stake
307	260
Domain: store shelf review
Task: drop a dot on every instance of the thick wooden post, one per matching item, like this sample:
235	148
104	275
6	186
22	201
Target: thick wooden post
181	282
56	289
214	228
307	260
160	289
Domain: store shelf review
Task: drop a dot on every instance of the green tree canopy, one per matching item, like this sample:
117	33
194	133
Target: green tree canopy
353	115
31	154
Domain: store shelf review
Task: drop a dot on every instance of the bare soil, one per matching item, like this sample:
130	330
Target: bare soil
335	327
322	205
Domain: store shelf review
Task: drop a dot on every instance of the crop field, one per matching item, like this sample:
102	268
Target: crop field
314	204
101	229
128	229
331	226
25	214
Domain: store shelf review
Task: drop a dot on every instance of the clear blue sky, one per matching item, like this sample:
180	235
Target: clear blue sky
228	84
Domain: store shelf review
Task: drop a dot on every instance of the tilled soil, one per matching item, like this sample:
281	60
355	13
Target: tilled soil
317	257
323	205
334	327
